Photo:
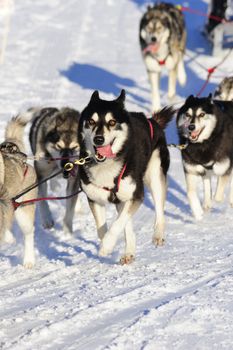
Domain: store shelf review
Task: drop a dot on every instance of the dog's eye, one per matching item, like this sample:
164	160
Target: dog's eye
57	146
91	122
187	115
112	122
201	115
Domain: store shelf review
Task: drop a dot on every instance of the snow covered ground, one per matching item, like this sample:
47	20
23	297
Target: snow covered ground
179	296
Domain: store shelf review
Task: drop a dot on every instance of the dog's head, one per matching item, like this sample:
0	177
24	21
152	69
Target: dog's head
224	91
155	29
103	127
196	120
61	138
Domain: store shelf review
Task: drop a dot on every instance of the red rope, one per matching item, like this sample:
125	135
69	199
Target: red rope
199	13
29	201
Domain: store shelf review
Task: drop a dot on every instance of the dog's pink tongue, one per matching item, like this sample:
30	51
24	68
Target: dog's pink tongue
106	151
194	134
153	48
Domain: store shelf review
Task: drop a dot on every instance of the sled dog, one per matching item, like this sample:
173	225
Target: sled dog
225	90
15	176
53	134
206	126
162	40
127	150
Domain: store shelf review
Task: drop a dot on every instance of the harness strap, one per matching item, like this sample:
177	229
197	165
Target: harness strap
151	129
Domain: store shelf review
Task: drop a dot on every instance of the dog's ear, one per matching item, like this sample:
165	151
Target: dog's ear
149	7
121	98
190	98
95	96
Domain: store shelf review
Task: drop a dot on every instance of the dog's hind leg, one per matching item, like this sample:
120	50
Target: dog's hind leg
221	184
207	193
126	212
72	187
98	212
194	201
25	218
154	78
155	180
130	242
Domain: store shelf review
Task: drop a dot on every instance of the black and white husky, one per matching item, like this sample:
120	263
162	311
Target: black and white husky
128	151
163	39
206	126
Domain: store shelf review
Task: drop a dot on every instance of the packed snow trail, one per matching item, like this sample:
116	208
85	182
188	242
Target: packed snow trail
174	297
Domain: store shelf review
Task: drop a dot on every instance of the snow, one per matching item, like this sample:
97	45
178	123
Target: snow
178	296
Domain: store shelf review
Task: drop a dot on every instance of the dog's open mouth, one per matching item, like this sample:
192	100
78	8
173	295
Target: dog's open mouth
151	48
105	152
194	135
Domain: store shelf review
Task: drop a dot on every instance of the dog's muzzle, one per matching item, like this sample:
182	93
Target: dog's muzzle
66	154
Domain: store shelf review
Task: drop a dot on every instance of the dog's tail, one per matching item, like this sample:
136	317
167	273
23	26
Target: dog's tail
164	116
15	130
6	210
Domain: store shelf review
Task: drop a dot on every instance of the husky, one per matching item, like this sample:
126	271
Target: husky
162	39
53	135
206	126
225	90
15	176
127	150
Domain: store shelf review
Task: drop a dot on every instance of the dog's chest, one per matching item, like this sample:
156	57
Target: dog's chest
106	184
218	168
104	174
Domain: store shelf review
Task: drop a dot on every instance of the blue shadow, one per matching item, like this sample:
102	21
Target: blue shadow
92	77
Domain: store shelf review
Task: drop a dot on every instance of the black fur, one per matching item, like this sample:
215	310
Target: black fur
220	143
138	147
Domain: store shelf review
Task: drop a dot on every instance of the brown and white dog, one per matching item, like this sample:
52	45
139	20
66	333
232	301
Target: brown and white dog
162	40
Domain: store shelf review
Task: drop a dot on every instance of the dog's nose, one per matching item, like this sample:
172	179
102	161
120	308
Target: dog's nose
99	140
153	39
191	127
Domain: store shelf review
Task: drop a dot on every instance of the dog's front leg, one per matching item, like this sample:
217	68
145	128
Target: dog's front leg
98	212
130	241
222	181
46	216
172	83
72	187
207	193
25	218
127	210
154	78
194	201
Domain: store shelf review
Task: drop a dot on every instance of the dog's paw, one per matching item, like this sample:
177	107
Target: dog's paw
158	241
207	207
8	237
48	224
107	244
29	264
127	259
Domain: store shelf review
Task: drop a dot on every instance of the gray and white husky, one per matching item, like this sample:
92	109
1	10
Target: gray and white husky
54	134
225	90
15	176
163	39
129	151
